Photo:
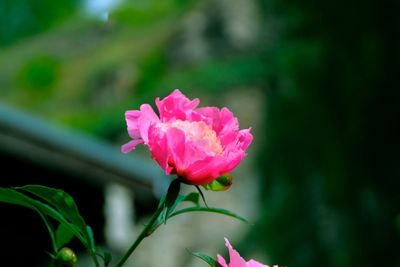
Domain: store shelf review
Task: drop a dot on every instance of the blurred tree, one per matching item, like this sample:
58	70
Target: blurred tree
19	18
83	72
330	162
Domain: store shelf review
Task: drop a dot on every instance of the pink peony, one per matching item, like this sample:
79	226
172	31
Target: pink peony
236	260
196	144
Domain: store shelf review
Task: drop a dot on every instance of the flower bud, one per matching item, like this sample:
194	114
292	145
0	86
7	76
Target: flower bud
221	183
66	257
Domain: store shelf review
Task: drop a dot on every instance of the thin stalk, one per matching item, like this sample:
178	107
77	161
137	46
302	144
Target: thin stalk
94	257
145	233
50	229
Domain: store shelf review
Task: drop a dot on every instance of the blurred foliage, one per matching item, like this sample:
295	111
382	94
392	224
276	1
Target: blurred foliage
330	161
21	18
39	73
82	72
329	164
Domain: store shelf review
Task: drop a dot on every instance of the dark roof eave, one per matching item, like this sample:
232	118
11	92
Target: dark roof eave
35	140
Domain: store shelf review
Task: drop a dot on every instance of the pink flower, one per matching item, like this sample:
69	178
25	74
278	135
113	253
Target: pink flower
196	144
236	260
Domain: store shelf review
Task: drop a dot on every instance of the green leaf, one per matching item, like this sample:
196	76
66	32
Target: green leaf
173	192
160	220
105	255
162	201
172	196
207	209
206	258
62	201
63	235
91	244
54	214
66	206
192	197
11	196
91	238
165	214
63	209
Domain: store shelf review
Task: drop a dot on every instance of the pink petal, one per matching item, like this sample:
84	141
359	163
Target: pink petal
253	263
159	148
193	153
147	118
131	117
228	122
222	122
128	147
176	106
176	148
227	119
235	259
205	170
232	161
242	140
245	138
228	138
222	261
210	115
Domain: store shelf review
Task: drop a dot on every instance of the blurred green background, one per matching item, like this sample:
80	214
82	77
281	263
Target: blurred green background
327	72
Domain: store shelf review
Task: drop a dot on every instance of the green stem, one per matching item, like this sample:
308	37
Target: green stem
50	229
94	257
145	233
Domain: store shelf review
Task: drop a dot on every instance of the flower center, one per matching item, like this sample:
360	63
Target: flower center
199	133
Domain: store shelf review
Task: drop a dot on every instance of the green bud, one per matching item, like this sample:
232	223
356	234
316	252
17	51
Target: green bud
221	183
66	257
